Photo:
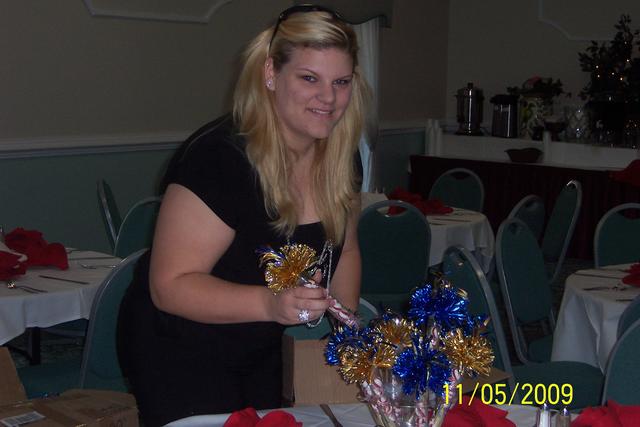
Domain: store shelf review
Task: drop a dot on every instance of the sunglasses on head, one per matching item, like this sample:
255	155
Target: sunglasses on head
301	8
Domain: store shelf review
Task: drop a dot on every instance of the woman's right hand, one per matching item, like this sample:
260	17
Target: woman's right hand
286	306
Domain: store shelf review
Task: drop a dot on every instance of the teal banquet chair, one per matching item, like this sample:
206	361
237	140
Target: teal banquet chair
99	367
622	377
617	236
109	211
560	226
395	253
460	188
462	269
531	211
628	316
525	291
138	226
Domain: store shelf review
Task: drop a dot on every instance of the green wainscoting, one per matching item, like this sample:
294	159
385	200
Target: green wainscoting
57	194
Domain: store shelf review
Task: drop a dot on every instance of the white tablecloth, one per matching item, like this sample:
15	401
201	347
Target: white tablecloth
588	319
465	228
63	301
349	415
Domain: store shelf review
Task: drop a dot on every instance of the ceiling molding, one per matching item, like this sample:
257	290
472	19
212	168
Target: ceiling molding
581	20
359	11
192	11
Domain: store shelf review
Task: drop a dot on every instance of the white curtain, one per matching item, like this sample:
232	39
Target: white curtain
368	36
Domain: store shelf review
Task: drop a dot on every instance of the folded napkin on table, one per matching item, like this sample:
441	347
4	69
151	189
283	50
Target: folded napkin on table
248	417
629	175
37	250
10	265
611	415
633	278
427	207
476	414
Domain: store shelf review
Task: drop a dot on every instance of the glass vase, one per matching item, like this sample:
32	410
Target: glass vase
391	407
577	119
532	111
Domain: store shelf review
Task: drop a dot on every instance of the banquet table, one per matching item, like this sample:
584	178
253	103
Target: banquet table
588	318
462	228
349	415
63	299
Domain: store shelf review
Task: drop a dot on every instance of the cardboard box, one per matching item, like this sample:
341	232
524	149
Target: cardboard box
73	408
308	380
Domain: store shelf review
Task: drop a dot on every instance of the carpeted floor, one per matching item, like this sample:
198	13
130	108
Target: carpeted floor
53	348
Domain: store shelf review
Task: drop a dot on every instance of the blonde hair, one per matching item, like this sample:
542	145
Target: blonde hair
333	174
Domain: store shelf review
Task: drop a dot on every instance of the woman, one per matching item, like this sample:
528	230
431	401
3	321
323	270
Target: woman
201	332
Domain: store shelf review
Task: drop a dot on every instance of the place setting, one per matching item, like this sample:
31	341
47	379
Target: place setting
46	283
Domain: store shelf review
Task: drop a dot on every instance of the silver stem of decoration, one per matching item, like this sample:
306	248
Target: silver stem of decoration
328	248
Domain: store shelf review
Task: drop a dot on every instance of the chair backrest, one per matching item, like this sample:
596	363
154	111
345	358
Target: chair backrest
530	210
628	316
366	311
562	222
109	211
523	279
136	231
622	376
617	234
100	366
394	248
459	187
462	269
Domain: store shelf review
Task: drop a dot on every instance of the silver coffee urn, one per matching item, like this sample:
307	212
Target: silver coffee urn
470	100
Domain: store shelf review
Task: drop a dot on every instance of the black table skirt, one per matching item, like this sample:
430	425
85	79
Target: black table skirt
506	183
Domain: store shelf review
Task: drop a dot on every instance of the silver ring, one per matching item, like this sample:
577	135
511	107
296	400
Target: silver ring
303	316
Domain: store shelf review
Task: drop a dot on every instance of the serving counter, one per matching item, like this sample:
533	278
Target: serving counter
506	183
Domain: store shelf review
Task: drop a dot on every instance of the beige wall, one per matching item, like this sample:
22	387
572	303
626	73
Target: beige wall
413	60
65	73
500	43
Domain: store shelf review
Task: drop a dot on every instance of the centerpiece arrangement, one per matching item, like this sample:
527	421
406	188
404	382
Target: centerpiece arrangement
536	97
409	368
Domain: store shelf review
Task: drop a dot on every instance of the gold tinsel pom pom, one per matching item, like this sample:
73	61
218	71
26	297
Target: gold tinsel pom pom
385	357
396	331
284	268
472	355
356	364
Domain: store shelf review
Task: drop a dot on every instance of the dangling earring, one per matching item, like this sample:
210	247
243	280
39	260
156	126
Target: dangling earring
269	83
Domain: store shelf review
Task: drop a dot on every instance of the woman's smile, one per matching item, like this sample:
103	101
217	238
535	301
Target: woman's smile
312	92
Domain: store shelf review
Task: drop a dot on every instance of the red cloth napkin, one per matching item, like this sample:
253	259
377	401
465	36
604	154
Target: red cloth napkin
427	207
633	278
611	415
38	251
476	415
248	417
630	174
10	265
